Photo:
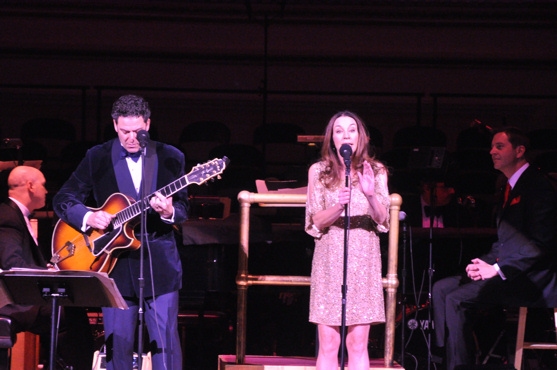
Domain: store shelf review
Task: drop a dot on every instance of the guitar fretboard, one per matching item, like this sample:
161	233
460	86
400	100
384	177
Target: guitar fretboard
199	174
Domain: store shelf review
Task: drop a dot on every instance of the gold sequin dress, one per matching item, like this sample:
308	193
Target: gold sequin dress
364	296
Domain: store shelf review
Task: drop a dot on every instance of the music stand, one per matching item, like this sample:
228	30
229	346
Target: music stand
430	161
58	288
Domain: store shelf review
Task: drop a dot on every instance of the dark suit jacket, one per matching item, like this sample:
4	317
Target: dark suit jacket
526	248
95	176
17	247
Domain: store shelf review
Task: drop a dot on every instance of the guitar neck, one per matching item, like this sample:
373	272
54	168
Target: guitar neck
135	209
198	175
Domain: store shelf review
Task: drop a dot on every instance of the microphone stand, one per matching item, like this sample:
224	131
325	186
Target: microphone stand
404	297
345	268
432	201
141	280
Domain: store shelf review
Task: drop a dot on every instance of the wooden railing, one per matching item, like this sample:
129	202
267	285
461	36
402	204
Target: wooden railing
244	279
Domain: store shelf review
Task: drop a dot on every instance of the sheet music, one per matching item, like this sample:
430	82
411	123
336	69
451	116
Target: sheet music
108	285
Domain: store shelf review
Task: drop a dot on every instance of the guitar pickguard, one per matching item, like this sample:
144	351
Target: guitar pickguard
104	241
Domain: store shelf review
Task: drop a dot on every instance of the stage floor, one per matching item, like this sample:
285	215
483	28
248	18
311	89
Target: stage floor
228	362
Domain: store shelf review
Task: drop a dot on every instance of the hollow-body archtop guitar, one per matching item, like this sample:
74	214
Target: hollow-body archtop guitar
98	250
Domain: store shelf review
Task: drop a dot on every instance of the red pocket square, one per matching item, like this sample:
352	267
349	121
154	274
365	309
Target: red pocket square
515	200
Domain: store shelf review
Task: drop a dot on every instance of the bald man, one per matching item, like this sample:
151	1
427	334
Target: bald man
27	193
18	248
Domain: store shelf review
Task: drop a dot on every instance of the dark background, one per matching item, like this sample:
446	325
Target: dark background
440	64
246	63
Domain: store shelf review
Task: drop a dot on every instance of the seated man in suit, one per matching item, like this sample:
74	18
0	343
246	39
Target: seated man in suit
19	248
520	269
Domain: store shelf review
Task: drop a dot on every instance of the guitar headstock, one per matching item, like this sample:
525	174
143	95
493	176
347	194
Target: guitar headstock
208	170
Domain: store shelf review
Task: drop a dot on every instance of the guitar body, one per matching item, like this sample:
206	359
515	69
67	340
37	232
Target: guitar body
94	250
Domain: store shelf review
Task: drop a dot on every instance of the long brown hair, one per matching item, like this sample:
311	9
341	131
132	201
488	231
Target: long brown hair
332	174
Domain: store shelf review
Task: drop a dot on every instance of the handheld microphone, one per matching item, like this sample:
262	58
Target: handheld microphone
143	138
346	152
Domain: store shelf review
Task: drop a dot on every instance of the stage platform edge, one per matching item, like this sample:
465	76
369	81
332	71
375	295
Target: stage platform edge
253	362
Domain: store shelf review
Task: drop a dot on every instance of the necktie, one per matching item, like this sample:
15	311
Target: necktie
507	192
134	156
31	230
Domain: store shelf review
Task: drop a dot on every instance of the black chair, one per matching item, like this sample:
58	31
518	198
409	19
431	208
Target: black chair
543	152
7	332
546	161
543	139
396	158
277	133
246	166
405	142
419	136
7	340
285	158
478	183
52	134
44	139
375	139
71	154
198	138
475	137
472	159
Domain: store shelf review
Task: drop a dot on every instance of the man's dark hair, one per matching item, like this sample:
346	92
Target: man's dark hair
131	106
516	136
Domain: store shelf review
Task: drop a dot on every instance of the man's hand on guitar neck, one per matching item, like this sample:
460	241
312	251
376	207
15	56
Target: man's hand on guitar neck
162	205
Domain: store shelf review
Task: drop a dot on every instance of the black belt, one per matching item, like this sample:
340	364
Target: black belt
357	222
